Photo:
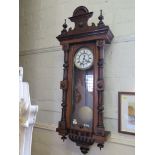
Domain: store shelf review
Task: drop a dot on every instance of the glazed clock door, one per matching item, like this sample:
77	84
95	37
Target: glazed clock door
82	88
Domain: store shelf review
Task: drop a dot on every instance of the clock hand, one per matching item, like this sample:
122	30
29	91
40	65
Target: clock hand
84	57
85	60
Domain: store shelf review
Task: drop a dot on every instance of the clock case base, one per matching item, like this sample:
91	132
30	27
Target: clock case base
85	139
82	33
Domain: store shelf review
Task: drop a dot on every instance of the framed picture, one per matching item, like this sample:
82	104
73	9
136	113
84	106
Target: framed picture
126	112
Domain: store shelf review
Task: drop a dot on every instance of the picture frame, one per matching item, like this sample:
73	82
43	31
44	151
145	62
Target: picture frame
126	112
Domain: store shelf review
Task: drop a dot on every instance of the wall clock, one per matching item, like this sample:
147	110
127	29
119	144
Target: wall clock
83	84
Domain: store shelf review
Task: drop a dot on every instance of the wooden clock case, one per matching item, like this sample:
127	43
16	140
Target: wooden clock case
94	37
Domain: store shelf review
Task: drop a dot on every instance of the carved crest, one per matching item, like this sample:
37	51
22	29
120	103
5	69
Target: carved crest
80	17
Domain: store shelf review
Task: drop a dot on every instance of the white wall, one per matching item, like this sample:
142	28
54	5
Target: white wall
42	59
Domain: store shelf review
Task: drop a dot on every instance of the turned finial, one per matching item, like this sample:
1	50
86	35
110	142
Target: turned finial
64	27
100	19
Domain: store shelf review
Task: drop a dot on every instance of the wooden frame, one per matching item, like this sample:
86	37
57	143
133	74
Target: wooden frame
126	116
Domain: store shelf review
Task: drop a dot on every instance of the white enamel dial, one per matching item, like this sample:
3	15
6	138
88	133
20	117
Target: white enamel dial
83	58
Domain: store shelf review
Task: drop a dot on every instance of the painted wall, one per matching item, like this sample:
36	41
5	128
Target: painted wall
42	59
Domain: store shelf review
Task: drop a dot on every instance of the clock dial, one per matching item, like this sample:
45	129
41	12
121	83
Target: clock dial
83	58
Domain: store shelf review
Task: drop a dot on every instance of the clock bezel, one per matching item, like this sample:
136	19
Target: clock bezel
91	64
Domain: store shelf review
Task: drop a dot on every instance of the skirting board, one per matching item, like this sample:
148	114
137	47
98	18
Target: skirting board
114	138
